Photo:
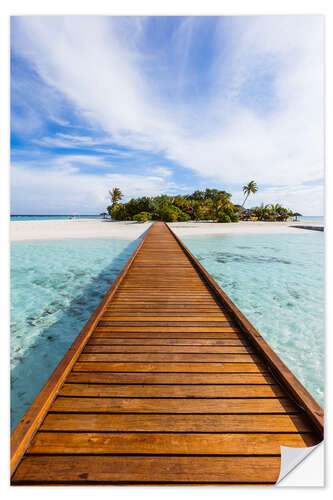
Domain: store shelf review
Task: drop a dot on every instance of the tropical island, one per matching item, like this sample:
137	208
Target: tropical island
209	205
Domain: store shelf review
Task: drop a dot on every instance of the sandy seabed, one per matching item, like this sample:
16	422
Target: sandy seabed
99	228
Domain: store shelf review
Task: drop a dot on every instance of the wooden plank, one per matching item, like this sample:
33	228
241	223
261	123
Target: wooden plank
183	332
170	405
186	301
52	443
165	342
168	357
169	367
172	391
129	469
182	349
165	323
170	378
178	423
165	316
145	320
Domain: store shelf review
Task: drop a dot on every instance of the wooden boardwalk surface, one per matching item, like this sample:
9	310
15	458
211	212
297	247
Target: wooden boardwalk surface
168	383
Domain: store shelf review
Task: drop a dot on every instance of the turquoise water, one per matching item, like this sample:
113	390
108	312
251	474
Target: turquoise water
315	218
55	286
52	217
277	281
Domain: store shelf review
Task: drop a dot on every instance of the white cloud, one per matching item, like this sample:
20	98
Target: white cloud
308	200
162	171
67	141
224	138
61	185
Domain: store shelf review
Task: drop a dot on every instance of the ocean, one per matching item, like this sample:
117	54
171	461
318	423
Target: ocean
52	217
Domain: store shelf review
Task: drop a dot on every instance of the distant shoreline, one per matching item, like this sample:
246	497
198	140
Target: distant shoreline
36	230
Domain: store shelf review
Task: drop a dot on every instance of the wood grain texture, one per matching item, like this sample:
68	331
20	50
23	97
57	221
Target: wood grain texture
152	422
72	443
127	469
172	391
195	367
172	405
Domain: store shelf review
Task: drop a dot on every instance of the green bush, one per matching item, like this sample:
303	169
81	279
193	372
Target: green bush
142	217
224	218
183	217
120	212
169	213
234	218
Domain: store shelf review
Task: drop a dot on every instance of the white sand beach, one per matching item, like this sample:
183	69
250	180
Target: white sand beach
243	227
99	228
77	228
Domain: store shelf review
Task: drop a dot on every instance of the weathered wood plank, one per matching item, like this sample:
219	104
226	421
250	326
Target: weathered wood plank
145	405
170	378
163	349
129	469
169	357
178	423
169	367
166	323
166	342
172	391
168	332
52	443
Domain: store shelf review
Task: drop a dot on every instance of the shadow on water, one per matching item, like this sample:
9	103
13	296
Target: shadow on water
40	359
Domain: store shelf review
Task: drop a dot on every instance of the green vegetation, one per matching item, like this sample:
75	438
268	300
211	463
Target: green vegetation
251	187
142	217
115	196
211	204
271	212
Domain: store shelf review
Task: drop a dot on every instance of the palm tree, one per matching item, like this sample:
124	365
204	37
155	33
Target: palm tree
262	211
251	187
276	207
221	201
115	196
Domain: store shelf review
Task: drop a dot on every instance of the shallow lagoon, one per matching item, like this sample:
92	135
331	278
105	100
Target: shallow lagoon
277	281
55	286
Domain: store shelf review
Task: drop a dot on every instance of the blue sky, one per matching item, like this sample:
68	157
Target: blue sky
165	105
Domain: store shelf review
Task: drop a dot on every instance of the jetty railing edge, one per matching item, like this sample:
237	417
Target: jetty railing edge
282	372
31	421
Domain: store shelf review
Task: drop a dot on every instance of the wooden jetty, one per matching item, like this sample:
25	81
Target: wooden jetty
167	383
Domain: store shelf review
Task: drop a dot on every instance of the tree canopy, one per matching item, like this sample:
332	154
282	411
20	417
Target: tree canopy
210	204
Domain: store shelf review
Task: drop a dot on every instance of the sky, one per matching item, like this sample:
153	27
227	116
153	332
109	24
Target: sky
169	105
